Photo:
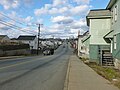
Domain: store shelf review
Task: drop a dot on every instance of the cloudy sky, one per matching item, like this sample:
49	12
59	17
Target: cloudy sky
58	18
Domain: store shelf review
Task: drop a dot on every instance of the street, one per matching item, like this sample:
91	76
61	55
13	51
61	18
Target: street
35	73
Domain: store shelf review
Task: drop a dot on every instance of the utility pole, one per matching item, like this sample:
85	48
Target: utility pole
38	38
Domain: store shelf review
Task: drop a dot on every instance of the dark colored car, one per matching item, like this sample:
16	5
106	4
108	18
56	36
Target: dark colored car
51	51
63	46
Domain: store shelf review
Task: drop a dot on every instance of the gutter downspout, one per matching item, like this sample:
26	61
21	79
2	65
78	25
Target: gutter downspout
111	45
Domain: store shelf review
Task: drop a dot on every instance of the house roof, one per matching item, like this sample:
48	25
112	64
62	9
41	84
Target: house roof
86	33
80	36
26	37
111	3
86	38
109	34
2	36
98	14
13	38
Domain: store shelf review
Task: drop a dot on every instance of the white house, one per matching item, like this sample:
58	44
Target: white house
79	44
83	44
31	40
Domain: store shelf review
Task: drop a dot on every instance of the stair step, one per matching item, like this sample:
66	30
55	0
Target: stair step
107	59
106	55
110	58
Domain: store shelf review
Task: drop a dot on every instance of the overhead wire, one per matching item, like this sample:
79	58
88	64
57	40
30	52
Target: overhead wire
12	19
15	27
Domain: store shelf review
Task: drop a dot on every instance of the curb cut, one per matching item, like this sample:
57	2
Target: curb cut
67	77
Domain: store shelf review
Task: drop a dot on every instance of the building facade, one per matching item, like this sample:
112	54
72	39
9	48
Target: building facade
114	7
99	22
31	40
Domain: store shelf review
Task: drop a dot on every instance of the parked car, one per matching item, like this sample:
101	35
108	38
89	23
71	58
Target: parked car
64	46
51	51
48	52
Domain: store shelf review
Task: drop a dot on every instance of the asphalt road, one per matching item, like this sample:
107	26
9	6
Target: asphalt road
35	73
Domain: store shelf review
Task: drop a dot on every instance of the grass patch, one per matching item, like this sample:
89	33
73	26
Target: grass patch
108	73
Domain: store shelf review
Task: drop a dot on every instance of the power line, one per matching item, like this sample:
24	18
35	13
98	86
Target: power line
15	28
10	24
11	18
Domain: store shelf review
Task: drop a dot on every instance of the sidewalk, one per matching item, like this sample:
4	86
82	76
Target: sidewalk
82	77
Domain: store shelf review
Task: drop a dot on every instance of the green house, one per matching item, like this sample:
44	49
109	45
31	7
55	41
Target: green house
99	22
114	7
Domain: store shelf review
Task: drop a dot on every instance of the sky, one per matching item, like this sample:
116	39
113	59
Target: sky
57	18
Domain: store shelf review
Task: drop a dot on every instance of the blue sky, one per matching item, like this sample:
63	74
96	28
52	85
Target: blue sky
60	18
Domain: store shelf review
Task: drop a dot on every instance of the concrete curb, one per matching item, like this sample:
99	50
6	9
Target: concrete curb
67	77
11	57
14	57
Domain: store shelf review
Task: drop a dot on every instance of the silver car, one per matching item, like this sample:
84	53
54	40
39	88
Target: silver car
46	52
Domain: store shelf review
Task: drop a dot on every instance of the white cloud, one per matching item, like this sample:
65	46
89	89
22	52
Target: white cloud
82	1
13	14
27	2
39	21
49	9
65	15
53	11
44	10
63	9
78	24
48	6
7	4
59	2
78	10
62	19
28	19
40	11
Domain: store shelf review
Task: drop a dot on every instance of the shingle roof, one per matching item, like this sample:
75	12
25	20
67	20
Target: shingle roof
99	13
26	37
2	36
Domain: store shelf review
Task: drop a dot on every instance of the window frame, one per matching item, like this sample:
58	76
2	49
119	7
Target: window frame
115	12
115	41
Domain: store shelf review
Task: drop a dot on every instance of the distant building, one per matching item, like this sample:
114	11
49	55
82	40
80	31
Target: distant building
79	44
14	40
31	40
83	44
4	38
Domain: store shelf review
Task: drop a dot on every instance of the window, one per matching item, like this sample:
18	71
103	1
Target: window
115	41
112	16
116	8
31	47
